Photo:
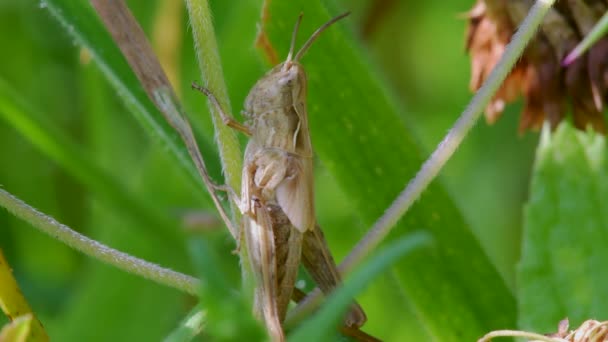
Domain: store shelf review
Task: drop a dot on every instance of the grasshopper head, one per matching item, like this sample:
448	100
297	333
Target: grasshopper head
285	84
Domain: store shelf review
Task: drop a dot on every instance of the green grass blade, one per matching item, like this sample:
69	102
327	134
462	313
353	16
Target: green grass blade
228	311
43	134
323	324
597	33
189	328
563	269
81	21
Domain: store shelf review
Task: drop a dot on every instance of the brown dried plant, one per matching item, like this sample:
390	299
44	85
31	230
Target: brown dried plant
546	84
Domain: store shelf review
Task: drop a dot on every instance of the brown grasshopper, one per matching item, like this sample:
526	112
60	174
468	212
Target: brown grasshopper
279	223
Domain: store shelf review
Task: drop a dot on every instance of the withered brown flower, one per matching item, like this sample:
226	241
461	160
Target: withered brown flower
546	85
589	331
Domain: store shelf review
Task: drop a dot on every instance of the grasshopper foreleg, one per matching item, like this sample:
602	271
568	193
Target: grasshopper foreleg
226	118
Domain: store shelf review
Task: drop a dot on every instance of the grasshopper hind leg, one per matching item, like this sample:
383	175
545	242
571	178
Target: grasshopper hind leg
321	266
259	237
288	242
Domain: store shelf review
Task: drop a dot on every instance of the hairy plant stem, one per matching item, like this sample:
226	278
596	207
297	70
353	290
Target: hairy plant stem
446	148
97	250
211	73
207	54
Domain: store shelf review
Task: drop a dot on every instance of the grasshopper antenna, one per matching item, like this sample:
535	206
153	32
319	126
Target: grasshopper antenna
315	35
293	37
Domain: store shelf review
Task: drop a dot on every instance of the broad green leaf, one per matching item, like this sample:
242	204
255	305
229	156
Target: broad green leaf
359	136
563	269
323	324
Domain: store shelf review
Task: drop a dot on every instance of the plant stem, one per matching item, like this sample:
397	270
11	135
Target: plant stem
599	30
211	73
442	153
207	54
515	333
97	250
452	140
190	326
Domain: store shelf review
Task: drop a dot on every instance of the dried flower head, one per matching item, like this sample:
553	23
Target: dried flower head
589	331
547	85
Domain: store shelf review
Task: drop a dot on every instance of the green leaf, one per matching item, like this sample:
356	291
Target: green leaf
16	307
189	327
228	310
597	32
56	145
563	269
18	330
82	23
323	324
359	135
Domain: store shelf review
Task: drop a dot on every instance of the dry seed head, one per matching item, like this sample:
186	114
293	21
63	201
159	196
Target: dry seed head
546	85
589	331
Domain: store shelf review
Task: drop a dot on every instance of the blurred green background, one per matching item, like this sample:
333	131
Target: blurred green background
418	49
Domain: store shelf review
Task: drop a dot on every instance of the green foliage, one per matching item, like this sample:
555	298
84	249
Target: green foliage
358	135
563	270
377	108
322	326
80	20
18	330
227	308
189	327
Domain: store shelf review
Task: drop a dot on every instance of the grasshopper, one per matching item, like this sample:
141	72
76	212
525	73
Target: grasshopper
276	200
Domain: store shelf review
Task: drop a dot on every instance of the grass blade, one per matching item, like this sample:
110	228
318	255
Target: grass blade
52	142
189	328
324	323
82	23
132	41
